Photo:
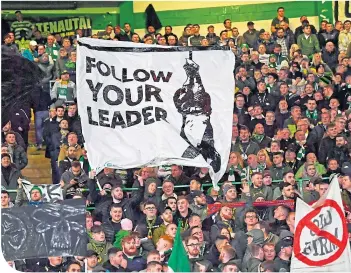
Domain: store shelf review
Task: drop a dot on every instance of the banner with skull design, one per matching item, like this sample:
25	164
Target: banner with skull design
146	105
40	231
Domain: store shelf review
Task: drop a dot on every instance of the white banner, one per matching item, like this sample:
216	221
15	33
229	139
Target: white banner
151	105
321	242
50	193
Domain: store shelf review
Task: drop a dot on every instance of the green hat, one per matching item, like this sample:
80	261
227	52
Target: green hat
36	188
272	55
245	45
64	72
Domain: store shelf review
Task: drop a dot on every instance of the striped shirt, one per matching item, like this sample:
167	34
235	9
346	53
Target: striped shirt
22	29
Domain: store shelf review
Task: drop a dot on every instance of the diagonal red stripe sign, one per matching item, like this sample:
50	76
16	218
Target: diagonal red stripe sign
306	222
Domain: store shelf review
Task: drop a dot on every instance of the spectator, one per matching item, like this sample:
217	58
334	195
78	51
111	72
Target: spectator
9	46
277	20
239	40
99	245
345	36
195	39
17	153
211	36
307	42
330	55
63	90
31	53
251	35
329	35
299	30
228	27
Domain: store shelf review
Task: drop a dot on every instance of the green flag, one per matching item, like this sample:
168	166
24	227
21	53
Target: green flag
179	260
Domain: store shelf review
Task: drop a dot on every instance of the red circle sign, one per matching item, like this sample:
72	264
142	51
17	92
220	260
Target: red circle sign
306	222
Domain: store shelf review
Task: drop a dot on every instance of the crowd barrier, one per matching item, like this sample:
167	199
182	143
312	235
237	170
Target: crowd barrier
299	182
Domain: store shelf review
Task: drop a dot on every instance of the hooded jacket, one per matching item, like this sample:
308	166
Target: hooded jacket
102	211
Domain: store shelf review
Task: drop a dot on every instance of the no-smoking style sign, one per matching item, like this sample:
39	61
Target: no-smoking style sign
321	236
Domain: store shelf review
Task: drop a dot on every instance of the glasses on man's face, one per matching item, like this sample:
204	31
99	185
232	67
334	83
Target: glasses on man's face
197	233
150	208
193	245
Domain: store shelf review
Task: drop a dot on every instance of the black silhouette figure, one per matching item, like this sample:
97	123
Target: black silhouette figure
192	101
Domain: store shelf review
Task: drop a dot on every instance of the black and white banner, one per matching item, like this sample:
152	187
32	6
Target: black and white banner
151	105
50	193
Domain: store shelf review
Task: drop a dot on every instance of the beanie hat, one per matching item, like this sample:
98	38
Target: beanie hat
5	155
126	224
36	188
226	188
298	74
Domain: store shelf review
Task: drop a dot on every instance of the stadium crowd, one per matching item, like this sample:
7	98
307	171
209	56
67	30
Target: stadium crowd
291	124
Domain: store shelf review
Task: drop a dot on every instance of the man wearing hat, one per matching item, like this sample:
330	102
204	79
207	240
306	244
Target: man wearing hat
251	35
92	261
31	53
198	204
63	90
284	250
35	196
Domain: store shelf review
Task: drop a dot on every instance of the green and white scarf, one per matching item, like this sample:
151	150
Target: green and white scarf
313	115
301	153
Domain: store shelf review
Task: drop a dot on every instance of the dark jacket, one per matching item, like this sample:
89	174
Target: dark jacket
341	154
110	228
102	211
113	179
182	180
280	118
18	137
325	37
264	143
267	104
251	37
74	125
65	165
11	183
137	263
326	145
50	127
19	157
108	266
10	48
330	58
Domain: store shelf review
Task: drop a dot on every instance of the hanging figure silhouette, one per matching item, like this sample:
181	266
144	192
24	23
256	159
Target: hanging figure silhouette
192	101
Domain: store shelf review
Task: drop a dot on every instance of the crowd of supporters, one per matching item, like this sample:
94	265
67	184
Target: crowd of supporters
291	124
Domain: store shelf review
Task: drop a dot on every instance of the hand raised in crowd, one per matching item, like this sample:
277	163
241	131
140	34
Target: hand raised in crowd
245	188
